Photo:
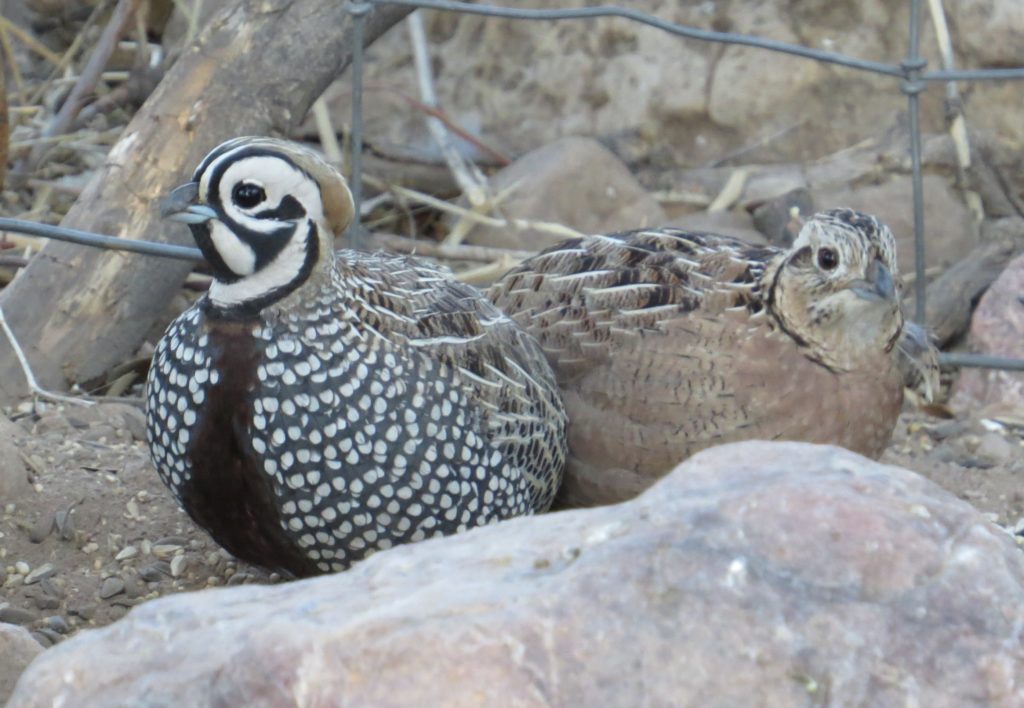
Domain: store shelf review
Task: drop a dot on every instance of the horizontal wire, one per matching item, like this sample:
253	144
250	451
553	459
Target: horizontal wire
185	253
646	19
86	238
875	67
980	361
164	250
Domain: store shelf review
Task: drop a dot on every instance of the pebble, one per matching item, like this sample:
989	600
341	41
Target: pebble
126	553
86	611
165	551
155	571
22	567
16	615
44	641
58	624
51	635
178	565
41	530
46	602
111	586
90	547
43	571
64	521
995	447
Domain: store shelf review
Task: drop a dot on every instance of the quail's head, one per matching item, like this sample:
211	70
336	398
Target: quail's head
838	288
264	213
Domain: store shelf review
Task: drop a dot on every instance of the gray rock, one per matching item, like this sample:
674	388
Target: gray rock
574	182
997	327
519	85
17	649
949	226
14	480
755	574
990	32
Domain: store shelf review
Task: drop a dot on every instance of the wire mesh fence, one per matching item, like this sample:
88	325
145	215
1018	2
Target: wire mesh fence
912	73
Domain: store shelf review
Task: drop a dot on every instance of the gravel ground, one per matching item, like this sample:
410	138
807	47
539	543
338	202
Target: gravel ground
98	533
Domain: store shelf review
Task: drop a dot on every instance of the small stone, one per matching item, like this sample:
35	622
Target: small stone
111	586
43	640
58	624
995	447
46	602
16	615
22	567
41	529
155	572
43	571
126	553
133	588
947	429
64	521
86	611
178	565
165	551
90	547
53	636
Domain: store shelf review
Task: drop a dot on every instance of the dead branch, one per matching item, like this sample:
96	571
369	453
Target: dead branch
951	297
5	131
78	311
86	82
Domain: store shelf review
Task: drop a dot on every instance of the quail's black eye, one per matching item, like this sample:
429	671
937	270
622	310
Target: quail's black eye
828	259
247	195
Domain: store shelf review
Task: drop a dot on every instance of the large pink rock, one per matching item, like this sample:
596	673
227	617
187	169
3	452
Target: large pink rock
17	649
755	574
997	327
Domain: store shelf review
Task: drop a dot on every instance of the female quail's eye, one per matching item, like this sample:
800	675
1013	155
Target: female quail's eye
247	195
828	259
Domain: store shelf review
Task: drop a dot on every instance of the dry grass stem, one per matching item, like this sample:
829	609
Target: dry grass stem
328	136
731	192
467	175
33	385
449	208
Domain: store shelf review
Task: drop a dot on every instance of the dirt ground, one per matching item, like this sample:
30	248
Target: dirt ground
97	533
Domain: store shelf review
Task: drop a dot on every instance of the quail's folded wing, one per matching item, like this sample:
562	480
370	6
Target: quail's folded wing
509	384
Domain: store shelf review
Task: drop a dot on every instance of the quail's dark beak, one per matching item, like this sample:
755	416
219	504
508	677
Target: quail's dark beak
877	284
180	205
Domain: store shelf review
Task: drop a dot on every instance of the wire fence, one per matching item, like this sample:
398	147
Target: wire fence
911	72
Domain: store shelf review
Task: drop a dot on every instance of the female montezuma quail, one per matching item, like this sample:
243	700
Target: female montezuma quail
315	407
666	342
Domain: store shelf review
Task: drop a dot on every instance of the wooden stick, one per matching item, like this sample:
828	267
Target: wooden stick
86	83
30	378
470	179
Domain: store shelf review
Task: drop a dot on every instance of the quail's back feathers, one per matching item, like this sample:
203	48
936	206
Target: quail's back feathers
665	342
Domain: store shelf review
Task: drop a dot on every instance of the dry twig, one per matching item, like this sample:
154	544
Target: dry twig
90	75
470	179
448	207
955	109
33	385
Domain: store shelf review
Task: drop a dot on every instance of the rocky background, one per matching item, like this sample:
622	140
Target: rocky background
798	575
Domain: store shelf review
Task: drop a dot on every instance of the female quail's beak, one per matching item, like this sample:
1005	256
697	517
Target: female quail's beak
180	205
878	283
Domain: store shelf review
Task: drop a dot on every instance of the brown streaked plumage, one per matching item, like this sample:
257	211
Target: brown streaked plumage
666	342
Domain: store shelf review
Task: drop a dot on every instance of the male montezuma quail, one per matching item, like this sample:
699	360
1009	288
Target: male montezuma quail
315	407
666	342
